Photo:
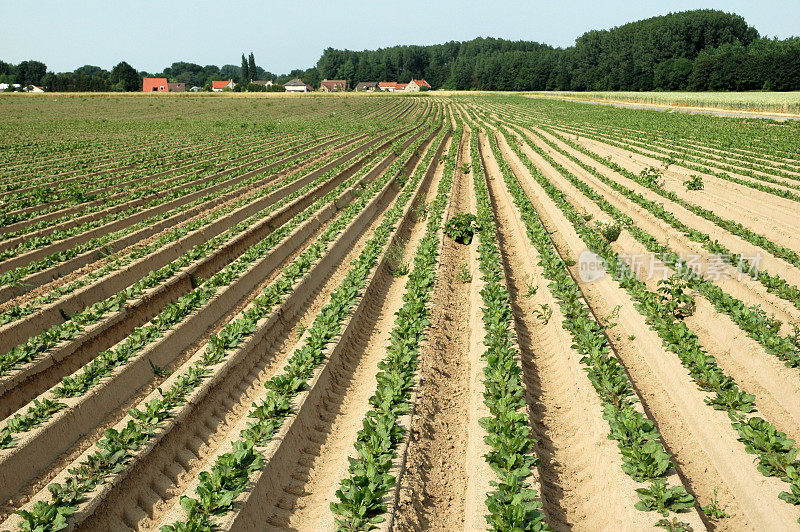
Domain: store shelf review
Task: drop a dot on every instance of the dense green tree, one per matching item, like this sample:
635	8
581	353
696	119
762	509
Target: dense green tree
31	73
245	72
252	70
125	78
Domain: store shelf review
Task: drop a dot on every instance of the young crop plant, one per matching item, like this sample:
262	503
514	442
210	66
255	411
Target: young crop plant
531	289
713	510
461	227
394	260
664	500
610	229
674	525
653	177
463	275
674	296
543	312
695	182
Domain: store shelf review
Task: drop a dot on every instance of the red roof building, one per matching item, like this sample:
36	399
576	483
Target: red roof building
217	86
387	86
401	86
155	85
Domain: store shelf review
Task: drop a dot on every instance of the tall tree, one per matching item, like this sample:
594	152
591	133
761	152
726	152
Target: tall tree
251	66
245	71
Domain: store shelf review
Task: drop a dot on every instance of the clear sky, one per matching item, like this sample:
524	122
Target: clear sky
287	34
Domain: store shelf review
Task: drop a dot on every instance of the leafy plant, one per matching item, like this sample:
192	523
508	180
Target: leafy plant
713	510
531	289
543	312
461	227
664	500
609	229
674	525
674	297
394	260
652	177
695	182
463	275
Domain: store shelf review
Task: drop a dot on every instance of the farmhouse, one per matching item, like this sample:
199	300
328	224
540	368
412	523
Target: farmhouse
400	87
387	86
333	85
265	82
370	86
416	85
176	87
6	86
155	85
217	86
296	85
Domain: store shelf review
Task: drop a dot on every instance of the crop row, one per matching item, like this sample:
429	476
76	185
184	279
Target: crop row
229	476
85	204
361	494
774	450
513	503
643	455
161	194
142	423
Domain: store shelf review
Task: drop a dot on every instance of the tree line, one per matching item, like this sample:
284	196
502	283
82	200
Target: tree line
691	50
124	78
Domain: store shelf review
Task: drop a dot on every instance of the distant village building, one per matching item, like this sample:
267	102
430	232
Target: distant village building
33	88
155	85
416	85
333	85
296	85
387	86
176	87
370	86
195	89
265	82
400	87
218	86
6	86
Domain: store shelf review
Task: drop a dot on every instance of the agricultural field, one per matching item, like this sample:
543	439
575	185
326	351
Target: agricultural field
400	312
769	102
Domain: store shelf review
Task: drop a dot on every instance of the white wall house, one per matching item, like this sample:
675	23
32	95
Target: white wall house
296	85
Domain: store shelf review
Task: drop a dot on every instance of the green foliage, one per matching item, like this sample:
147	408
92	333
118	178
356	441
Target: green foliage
713	510
664	500
674	297
461	226
695	182
609	229
463	275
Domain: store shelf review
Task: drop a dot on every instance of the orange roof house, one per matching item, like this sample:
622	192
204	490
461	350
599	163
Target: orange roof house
217	86
417	85
155	85
387	86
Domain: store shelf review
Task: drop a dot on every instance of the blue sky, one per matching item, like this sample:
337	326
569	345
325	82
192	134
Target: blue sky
286	34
